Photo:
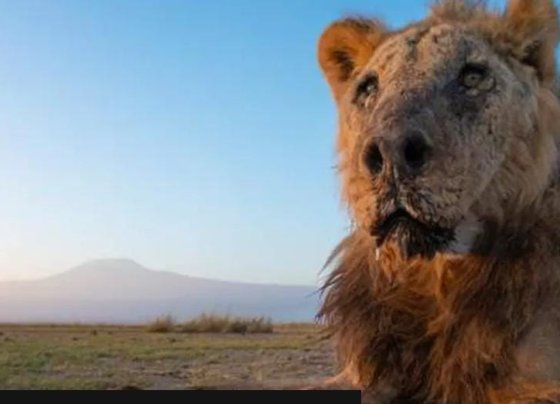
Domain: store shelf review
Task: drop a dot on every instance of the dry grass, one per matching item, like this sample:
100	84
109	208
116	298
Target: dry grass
207	323
117	357
163	324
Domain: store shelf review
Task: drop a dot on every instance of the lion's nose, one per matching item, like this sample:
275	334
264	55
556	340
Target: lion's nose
373	158
408	152
414	151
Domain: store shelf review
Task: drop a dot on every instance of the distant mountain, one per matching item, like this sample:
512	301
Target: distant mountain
123	291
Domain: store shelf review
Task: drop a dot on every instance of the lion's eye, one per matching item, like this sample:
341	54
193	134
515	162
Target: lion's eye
367	87
472	76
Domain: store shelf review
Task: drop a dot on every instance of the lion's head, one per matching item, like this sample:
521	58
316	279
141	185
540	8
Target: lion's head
447	124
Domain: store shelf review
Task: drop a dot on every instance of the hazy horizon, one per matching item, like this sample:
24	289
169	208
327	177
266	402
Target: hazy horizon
104	260
123	291
189	136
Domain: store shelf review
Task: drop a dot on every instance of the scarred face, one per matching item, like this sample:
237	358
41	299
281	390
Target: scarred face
439	128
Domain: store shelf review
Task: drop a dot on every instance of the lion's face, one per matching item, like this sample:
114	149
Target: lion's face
440	131
429	121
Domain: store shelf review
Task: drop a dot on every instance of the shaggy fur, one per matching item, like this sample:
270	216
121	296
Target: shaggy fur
447	288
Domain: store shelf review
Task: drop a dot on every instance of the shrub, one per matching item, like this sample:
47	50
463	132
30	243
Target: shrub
162	324
225	324
260	325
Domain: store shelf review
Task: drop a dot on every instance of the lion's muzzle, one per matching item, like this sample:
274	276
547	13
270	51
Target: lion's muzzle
413	237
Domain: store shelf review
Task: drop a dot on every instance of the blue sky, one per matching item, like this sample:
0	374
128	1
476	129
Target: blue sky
189	135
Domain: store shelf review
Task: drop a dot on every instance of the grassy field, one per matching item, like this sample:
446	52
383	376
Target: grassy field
118	357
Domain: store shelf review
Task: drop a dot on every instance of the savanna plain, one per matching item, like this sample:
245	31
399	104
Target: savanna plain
162	356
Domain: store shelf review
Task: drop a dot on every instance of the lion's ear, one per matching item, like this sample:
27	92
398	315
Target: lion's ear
535	29
345	47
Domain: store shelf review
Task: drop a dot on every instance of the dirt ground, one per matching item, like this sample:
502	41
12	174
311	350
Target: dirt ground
119	357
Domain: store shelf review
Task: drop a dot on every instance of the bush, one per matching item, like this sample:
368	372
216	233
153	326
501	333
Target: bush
206	323
237	327
162	324
224	324
260	325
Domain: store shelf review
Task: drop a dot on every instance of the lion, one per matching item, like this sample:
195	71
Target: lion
447	288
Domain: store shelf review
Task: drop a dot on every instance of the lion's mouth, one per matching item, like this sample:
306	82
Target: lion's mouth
414	237
388	225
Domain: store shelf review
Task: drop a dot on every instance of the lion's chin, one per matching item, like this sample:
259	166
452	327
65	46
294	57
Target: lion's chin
414	239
